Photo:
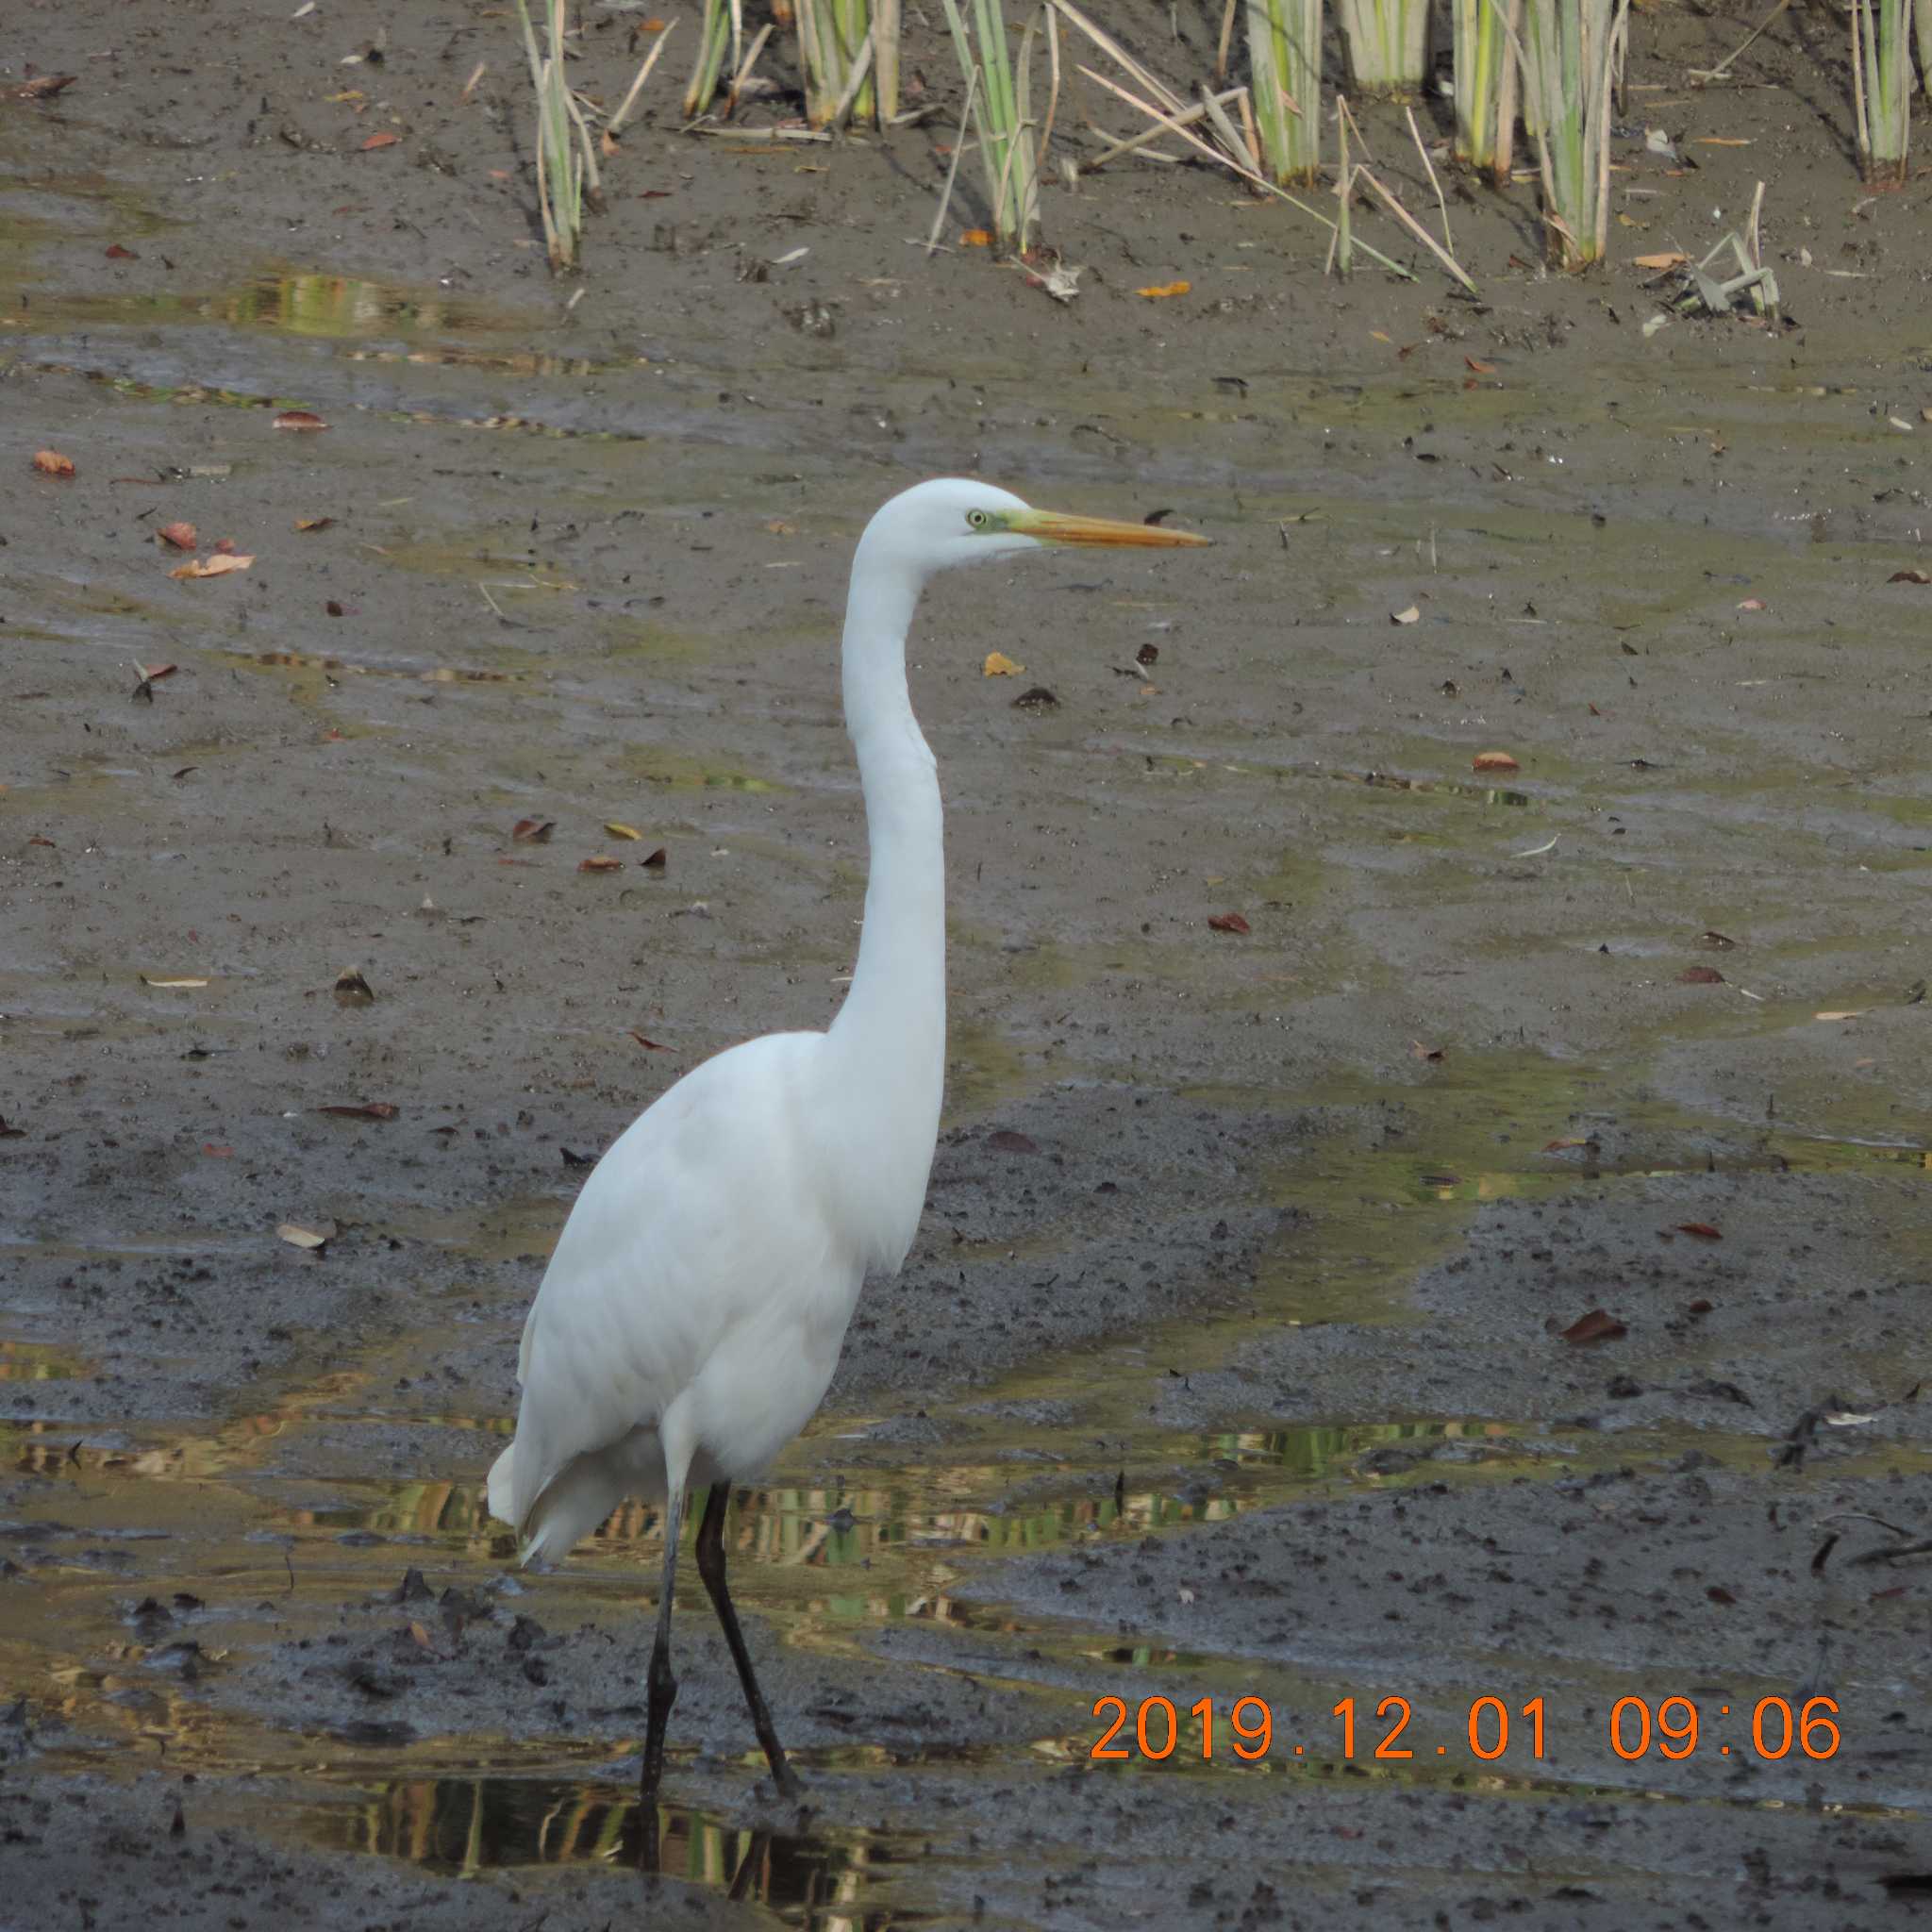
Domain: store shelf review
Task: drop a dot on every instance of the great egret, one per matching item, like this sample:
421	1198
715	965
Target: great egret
692	1313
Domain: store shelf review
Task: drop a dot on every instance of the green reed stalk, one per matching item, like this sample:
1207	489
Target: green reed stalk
1387	42
1882	87
1002	118
714	44
1485	86
1569	53
564	169
1285	75
833	38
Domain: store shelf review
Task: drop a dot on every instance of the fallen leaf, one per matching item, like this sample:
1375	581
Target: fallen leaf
1672	259
1495	761
1849	1013
1417	1050
1161	290
649	1045
1594	1327
1229	922
533	831
1549	844
1010	1140
1910	577
179	535
600	862
307	524
1380	336
9	1133
365	1111
1702	1229
1722	140
618	830
50	463
376	141
44	87
1700	975
117	253
299	1237
146	981
999	665
1146	655
333	608
1719	1594
655	862
419	1635
1715	942
1751	603
223	546
1409	616
1480	366
1846	1418
976	238
216	1152
350	989
1036	698
299	419
217	566
1559	1146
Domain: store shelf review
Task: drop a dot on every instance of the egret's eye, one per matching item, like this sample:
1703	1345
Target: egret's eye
978	520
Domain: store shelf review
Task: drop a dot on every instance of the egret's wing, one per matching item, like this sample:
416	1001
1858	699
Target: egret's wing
688	1228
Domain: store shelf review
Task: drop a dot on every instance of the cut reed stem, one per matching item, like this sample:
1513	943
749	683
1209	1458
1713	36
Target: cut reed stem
835	48
1570	52
999	115
1388	43
566	162
1882	87
1485	82
1285	65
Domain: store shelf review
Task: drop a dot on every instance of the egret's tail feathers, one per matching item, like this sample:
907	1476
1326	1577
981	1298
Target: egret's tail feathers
500	1487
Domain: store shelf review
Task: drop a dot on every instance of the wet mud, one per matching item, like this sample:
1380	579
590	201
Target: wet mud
1235	1357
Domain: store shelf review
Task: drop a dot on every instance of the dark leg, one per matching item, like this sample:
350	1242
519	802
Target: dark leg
710	1554
661	1687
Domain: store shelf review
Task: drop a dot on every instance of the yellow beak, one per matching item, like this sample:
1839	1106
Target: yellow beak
1052	526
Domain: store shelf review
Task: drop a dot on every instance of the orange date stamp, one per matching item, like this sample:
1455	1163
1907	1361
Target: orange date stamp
1674	1727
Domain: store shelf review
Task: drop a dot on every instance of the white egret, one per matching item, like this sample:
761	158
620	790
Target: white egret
692	1316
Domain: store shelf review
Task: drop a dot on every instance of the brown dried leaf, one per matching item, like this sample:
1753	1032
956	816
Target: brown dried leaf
50	463
178	535
1594	1327
649	1045
618	829
1910	577
45	85
1751	603
655	862
299	419
10	1133
1229	922
1495	761
1162	290
999	665
1674	258
1700	975
307	524
365	1111
1417	1050
533	831
220	565
376	141
1146	655
600	862
1702	1229
1715	942
117	253
1480	366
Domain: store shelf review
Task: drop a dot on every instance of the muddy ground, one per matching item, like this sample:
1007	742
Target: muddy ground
1236	1366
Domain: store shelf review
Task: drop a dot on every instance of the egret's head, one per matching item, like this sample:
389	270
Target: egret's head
936	526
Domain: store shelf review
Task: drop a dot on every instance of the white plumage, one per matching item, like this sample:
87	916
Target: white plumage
691	1318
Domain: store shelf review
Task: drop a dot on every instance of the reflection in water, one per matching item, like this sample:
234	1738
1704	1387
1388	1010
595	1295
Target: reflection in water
465	1825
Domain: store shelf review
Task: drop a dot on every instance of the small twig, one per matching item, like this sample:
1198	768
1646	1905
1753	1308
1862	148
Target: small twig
939	221
1717	73
636	87
762	133
1415	135
1227	34
1416	229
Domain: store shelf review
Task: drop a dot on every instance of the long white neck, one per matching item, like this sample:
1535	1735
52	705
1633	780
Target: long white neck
888	1045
